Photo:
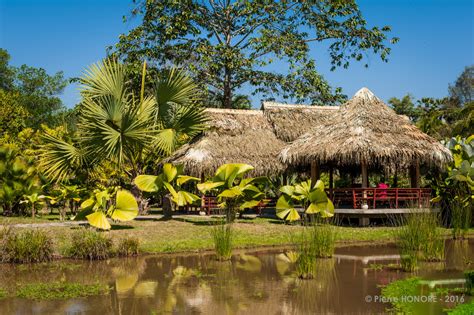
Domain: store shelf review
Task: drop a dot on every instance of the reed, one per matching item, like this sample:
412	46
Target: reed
222	236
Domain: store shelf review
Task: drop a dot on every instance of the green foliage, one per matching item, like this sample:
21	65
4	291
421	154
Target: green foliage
89	244
313	199
235	192
34	90
455	188
34	201
117	204
60	290
396	290
128	246
324	238
229	44
463	309
419	237
169	181
27	246
222	236
13	116
119	127
306	261
405	106
18	177
469	275
3	293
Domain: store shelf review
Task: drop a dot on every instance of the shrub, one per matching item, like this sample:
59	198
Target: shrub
461	219
27	246
222	235
90	244
128	246
469	275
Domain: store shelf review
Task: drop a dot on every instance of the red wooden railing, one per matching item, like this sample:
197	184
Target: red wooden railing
383	197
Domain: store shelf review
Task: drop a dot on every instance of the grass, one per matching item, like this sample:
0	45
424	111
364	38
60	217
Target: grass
128	246
89	244
193	233
25	246
324	239
420	237
222	235
59	290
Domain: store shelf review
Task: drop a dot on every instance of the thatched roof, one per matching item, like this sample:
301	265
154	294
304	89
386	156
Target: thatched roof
290	121
366	129
234	136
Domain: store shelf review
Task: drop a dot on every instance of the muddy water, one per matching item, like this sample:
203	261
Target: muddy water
252	283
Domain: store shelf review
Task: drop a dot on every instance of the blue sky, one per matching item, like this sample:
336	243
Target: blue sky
436	42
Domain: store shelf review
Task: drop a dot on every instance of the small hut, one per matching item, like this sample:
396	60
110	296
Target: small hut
232	136
366	133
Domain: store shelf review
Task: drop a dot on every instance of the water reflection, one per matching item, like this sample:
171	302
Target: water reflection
259	283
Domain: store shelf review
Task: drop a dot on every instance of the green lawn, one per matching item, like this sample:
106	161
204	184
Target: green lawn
194	233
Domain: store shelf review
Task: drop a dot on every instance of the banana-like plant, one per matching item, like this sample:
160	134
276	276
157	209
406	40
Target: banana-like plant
234	191
119	205
34	200
169	181
312	199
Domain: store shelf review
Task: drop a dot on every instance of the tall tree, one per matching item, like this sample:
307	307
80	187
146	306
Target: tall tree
34	89
405	106
229	44
463	88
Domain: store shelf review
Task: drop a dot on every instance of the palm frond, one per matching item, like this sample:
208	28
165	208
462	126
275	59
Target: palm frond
59	159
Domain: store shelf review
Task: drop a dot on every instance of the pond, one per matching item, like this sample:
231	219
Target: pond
254	282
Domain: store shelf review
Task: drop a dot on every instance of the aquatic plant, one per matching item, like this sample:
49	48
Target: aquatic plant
306	261
90	244
28	246
419	237
128	246
60	290
469	275
462	309
222	236
324	239
394	292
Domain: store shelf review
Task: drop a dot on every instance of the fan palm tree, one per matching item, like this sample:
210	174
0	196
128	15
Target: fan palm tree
115	125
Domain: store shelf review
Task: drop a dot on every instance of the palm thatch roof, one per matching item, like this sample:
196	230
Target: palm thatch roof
233	136
290	121
366	129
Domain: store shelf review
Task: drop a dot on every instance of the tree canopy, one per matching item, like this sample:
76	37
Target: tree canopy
34	90
230	44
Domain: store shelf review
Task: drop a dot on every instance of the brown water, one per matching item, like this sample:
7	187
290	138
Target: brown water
252	283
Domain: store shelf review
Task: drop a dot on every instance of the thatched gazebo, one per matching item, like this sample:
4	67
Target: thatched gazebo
365	133
233	136
290	121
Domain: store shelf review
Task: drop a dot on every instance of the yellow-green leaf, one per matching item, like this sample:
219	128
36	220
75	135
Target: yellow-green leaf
148	183
126	207
98	220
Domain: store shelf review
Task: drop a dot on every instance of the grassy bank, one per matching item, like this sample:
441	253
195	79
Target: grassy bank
194	233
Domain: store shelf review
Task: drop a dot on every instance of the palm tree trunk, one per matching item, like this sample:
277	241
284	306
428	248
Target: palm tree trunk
167	207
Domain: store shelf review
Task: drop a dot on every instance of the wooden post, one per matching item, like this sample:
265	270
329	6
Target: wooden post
314	172
415	175
364	221
365	175
331	180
